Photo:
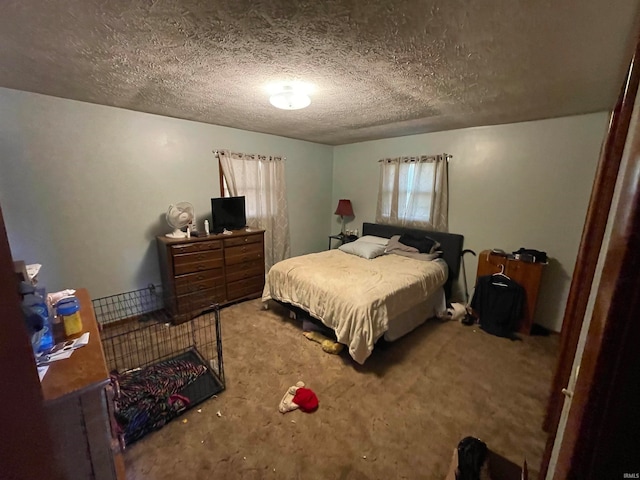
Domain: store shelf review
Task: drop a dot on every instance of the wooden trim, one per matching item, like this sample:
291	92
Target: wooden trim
591	242
599	439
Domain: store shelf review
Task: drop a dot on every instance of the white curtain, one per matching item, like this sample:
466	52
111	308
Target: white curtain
261	179
413	192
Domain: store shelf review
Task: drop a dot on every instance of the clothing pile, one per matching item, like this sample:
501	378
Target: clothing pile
149	397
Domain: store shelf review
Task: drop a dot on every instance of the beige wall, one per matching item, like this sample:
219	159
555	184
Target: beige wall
84	188
511	186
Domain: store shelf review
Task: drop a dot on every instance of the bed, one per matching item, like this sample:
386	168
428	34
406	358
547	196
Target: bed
364	299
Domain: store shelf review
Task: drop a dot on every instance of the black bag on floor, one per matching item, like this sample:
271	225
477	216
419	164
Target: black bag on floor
472	453
530	255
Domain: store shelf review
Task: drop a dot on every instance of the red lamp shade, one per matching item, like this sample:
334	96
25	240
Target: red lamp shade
344	208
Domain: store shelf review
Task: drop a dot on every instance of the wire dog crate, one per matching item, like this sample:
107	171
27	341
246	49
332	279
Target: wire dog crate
158	369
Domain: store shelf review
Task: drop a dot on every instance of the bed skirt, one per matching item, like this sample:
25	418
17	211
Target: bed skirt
434	305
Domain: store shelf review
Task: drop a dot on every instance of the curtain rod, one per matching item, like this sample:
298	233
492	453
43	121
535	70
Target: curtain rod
446	156
216	154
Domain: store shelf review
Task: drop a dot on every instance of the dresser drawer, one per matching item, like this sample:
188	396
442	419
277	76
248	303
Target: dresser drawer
200	300
196	247
195	257
195	282
245	239
197	261
183	268
240	249
244	253
241	271
243	288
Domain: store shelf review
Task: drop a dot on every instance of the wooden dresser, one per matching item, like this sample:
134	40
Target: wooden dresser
527	274
78	399
199	271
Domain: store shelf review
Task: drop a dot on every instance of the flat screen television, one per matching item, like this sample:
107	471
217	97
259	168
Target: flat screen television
229	213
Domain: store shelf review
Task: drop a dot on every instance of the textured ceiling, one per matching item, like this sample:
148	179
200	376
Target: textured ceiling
380	68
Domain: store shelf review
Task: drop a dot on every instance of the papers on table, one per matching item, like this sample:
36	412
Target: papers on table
81	341
60	351
42	371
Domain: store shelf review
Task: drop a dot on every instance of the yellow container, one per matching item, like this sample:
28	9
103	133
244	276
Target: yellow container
69	312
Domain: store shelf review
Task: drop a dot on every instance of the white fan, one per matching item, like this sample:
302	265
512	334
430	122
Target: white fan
179	216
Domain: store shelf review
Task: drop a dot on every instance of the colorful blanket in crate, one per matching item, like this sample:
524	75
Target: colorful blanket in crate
149	397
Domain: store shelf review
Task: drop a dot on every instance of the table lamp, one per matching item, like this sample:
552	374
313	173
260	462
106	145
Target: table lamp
344	209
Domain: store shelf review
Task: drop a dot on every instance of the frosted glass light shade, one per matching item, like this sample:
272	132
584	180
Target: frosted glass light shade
289	99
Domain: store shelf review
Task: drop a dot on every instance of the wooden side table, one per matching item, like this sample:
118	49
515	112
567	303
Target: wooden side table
342	238
78	399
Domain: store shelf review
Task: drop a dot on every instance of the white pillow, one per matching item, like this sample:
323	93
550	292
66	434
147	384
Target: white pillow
363	249
373	239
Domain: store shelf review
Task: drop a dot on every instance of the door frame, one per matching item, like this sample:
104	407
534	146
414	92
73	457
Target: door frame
589	250
599	438
598	432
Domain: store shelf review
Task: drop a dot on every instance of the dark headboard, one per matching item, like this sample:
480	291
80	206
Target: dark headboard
451	244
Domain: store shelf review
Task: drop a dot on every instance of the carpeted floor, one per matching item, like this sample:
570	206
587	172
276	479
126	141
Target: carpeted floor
398	416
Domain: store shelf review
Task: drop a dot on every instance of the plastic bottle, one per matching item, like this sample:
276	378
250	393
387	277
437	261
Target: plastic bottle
47	330
35	303
206	227
69	310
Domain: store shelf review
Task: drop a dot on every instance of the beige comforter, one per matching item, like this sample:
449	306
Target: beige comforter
354	296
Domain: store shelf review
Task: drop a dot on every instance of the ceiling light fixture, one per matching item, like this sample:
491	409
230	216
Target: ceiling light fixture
290	99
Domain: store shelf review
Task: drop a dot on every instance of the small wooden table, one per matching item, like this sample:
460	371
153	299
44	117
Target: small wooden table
78	401
343	239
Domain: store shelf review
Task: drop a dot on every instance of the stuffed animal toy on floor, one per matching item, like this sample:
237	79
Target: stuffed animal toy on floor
328	345
298	397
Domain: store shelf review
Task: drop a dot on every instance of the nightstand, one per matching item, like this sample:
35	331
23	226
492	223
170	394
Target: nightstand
342	238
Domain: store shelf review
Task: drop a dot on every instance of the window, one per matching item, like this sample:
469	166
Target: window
413	192
250	191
